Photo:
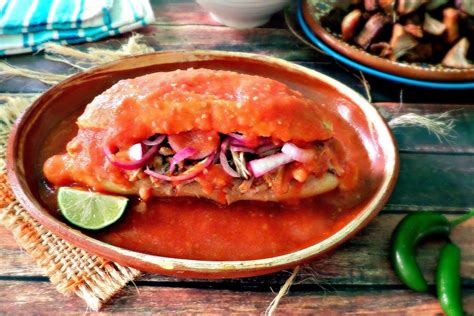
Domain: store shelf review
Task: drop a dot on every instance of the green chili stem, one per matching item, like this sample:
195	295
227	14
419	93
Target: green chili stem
462	218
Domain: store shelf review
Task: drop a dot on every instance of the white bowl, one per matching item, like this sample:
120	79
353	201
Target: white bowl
242	14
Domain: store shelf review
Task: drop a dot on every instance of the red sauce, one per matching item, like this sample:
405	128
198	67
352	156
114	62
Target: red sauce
201	229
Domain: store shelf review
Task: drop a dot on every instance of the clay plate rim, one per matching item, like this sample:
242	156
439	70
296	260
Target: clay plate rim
413	71
202	268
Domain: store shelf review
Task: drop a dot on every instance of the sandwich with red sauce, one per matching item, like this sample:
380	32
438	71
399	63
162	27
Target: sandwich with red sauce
201	133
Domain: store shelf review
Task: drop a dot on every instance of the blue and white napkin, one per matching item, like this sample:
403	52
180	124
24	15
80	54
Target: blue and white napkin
26	24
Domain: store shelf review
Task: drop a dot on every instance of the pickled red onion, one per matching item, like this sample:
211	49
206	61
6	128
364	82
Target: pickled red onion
259	167
133	164
297	153
158	140
204	142
181	155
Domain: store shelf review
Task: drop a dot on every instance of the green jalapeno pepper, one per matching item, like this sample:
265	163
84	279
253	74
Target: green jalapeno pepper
407	235
413	229
448	280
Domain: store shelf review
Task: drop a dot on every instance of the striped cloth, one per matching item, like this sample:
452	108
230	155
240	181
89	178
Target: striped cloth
26	24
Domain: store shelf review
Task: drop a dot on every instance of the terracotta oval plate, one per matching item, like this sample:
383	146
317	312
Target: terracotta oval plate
291	238
426	75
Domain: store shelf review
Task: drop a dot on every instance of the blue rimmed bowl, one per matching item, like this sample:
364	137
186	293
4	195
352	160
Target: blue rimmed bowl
424	75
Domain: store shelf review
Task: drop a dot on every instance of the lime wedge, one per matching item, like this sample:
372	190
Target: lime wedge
90	210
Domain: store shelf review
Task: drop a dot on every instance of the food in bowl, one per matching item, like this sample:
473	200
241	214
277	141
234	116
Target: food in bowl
418	31
218	135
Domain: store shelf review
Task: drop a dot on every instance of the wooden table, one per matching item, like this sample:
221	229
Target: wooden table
357	278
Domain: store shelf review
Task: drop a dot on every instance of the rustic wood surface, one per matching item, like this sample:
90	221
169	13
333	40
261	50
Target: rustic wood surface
357	277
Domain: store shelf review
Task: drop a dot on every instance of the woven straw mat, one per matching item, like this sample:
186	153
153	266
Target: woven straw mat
70	269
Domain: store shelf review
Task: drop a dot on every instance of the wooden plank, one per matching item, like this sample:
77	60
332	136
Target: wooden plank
362	261
434	180
276	42
40	298
32	62
381	90
270	44
416	139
